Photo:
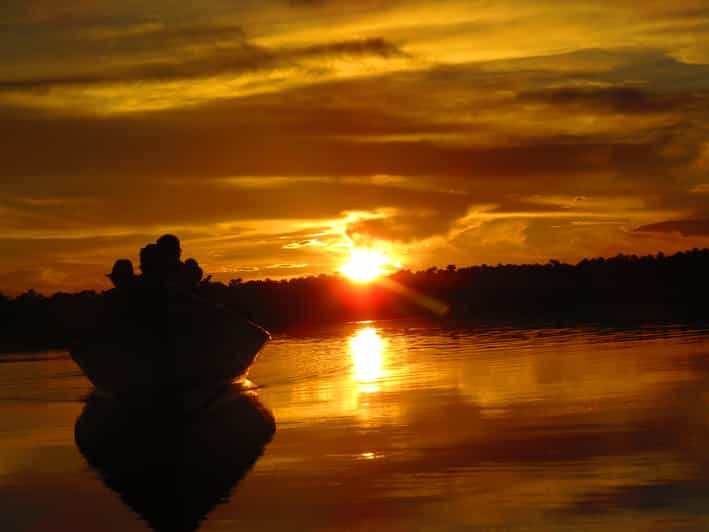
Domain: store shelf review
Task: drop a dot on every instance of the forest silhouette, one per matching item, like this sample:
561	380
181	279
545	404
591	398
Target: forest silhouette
623	290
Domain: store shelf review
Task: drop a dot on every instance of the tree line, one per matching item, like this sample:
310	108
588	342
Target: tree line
625	289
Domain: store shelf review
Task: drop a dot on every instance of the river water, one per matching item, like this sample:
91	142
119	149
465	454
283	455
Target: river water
390	426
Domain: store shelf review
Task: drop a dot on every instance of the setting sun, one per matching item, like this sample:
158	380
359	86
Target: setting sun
364	265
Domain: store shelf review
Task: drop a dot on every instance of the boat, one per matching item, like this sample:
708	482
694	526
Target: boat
162	352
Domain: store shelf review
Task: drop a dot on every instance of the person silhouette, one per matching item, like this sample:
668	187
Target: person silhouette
168	255
149	260
191	274
122	273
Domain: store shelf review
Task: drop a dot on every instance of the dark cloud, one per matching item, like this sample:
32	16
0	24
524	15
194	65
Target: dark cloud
612	99
108	43
174	34
39	248
683	227
662	72
240	57
233	59
122	151
376	46
205	202
351	4
652	497
645	68
303	244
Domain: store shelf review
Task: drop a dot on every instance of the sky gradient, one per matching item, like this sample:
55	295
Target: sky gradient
274	135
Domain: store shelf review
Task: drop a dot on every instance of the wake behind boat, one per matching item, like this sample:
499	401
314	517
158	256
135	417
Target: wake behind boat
156	343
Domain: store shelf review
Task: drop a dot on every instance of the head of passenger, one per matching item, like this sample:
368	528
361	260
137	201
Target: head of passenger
149	259
192	273
169	252
122	273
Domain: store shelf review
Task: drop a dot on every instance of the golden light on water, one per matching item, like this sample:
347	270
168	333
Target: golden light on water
364	265
367	349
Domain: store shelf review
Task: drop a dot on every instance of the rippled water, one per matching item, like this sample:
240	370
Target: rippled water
399	426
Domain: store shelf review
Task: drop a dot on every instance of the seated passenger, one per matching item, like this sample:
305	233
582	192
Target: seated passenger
168	250
122	274
149	261
191	274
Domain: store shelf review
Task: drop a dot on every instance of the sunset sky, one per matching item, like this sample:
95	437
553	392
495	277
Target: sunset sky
272	136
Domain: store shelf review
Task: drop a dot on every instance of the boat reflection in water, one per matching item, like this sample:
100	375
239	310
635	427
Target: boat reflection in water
173	470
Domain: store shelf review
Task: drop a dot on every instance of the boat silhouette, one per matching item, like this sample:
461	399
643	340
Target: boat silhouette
155	352
171	470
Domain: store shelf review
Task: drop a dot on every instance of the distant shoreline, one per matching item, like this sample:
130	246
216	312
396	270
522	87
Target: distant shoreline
625	290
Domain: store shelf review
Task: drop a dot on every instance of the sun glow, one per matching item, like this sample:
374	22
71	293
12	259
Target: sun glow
364	265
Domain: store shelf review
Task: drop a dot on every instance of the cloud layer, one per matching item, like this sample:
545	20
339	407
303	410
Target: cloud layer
274	135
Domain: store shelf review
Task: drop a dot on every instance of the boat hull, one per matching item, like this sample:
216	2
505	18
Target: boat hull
178	355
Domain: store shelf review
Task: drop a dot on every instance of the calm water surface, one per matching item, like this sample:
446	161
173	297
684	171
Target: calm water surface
398	427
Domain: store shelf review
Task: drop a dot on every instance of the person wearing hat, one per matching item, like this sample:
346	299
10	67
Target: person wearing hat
191	274
169	251
122	273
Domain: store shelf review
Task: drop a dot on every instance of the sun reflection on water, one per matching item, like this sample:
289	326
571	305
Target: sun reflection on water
367	349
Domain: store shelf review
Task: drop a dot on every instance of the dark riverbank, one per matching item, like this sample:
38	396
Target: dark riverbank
623	290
